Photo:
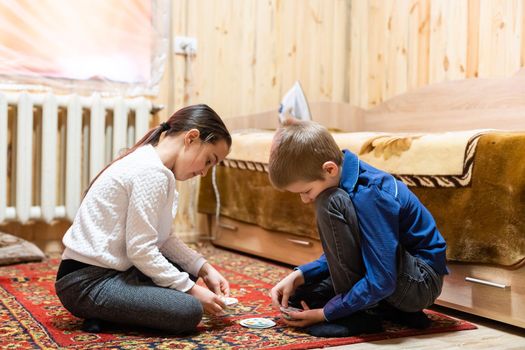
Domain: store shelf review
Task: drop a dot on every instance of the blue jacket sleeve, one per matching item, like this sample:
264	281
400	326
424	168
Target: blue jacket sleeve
378	213
316	270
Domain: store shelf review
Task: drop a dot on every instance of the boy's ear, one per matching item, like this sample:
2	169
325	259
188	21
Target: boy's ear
331	168
191	136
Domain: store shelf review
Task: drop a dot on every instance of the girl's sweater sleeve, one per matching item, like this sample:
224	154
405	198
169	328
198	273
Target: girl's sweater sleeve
178	252
148	196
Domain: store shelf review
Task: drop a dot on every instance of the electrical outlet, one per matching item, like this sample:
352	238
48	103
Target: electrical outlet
185	45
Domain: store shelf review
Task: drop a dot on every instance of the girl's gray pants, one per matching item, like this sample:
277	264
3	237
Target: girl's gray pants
129	298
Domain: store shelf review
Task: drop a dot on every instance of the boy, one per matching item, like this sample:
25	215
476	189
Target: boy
383	255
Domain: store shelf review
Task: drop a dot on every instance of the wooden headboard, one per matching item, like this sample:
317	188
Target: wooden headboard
448	106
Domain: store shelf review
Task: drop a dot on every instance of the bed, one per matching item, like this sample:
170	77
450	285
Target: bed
460	146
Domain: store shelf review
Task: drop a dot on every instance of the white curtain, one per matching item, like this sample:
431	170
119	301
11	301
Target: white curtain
111	46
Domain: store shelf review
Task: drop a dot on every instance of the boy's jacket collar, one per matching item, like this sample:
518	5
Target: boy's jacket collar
350	171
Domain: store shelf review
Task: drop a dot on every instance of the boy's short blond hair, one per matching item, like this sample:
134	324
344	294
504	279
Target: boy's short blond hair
299	150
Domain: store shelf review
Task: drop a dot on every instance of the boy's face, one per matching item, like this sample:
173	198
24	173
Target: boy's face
309	190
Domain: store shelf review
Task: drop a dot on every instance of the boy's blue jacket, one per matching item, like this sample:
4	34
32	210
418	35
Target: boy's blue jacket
389	215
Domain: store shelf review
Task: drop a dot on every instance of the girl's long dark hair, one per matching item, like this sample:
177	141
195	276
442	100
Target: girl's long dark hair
200	117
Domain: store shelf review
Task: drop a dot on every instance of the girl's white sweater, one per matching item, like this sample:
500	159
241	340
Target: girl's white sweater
125	220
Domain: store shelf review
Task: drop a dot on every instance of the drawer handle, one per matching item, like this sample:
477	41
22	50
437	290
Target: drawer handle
228	227
300	242
486	283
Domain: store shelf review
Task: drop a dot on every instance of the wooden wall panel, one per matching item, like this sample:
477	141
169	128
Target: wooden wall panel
418	43
501	24
360	42
376	55
263	58
448	40
340	50
250	52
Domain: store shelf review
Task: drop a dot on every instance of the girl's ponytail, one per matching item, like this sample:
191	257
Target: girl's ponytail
200	117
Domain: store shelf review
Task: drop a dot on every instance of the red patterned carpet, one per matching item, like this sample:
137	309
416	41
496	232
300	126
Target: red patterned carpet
31	316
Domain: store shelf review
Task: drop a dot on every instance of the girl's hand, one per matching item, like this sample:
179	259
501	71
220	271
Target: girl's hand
211	302
305	318
285	288
214	280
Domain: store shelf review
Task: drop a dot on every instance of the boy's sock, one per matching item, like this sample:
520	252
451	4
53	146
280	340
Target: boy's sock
357	323
417	320
328	330
95	325
92	325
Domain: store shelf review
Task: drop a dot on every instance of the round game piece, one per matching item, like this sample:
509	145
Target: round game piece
289	309
286	310
257	322
229	301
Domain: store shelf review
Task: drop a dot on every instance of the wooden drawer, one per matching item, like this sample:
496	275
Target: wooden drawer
284	247
487	291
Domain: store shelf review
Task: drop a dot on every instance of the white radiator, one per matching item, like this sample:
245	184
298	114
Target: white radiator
51	146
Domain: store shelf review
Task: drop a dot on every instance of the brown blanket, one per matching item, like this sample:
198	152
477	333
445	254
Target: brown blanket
483	222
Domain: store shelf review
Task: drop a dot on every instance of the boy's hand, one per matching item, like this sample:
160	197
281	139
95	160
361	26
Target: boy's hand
214	280
211	302
285	288
305	317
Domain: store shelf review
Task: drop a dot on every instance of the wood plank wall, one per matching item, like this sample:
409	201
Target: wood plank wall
250	52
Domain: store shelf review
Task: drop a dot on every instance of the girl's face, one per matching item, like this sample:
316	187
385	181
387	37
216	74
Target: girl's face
198	157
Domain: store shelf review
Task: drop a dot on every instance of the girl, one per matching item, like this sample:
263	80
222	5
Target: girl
120	264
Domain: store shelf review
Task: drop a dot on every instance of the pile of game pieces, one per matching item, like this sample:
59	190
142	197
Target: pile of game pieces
286	310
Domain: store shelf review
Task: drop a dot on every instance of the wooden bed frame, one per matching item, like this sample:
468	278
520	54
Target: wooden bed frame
494	292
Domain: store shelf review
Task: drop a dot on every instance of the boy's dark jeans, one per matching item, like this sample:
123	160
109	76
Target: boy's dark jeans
418	285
